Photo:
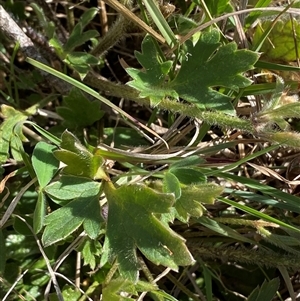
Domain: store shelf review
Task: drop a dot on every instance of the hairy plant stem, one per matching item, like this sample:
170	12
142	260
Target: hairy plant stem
223	120
243	255
113	36
110	274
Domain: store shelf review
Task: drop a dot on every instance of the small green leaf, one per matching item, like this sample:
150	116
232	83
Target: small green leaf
79	58
172	185
113	291
81	62
78	38
188	176
78	111
82	70
76	165
44	163
79	160
49	27
192	196
132	223
209	64
71	143
266	292
90	250
39	213
88	16
16	147
70	293
55	43
21	227
11	118
16	143
206	65
64	221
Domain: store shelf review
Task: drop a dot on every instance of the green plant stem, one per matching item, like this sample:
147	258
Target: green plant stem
70	16
213	118
243	255
113	36
110	274
245	222
183	288
145	269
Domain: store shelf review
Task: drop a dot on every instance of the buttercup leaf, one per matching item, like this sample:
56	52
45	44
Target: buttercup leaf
133	223
206	65
190	202
78	111
151	81
209	64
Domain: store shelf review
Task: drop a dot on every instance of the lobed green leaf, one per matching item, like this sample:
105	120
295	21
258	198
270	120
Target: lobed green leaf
206	65
133	222
78	111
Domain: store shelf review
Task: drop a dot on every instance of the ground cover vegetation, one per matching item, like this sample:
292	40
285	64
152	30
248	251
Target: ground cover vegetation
149	150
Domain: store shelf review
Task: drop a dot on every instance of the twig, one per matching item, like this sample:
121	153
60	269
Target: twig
160	276
14	284
78	268
196	287
183	288
133	18
103	17
11	29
